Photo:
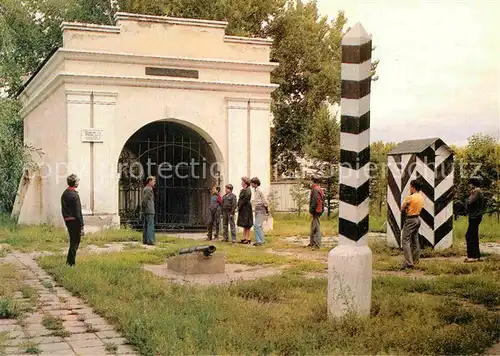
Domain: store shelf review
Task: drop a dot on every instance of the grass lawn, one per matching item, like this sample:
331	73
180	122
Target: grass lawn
49	238
283	314
442	307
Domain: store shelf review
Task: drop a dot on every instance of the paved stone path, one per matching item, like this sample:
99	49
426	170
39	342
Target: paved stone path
88	333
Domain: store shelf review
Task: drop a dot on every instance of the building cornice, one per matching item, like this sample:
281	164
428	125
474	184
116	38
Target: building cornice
248	40
185	62
107	57
78	26
144	82
124	16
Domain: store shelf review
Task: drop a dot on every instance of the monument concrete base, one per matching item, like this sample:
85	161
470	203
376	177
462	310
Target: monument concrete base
349	280
97	222
197	263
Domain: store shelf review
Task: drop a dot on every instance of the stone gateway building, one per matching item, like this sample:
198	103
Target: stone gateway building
169	97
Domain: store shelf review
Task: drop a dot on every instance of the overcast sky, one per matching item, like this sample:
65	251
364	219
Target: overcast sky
439	66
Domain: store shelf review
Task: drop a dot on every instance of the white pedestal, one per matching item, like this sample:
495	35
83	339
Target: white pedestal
349	278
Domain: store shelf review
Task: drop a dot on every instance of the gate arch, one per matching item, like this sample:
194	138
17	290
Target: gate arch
186	164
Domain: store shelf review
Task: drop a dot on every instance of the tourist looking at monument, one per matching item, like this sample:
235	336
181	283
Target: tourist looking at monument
245	213
260	206
316	206
148	211
214	213
411	207
229	204
475	210
72	214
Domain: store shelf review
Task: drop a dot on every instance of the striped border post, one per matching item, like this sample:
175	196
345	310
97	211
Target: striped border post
350	263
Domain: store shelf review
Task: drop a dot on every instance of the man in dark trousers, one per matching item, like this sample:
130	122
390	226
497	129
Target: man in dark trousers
411	208
72	215
316	206
214	210
475	210
148	211
229	204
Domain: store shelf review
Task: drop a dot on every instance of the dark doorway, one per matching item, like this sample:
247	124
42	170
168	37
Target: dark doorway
185	168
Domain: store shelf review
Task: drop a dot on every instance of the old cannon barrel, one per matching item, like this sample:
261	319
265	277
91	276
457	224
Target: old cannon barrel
207	250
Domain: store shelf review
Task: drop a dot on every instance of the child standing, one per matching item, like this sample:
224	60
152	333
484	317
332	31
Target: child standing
214	213
229	204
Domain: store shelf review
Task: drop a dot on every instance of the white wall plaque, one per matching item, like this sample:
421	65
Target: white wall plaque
92	135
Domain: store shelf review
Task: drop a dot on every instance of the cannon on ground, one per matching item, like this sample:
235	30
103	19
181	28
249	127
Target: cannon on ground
206	250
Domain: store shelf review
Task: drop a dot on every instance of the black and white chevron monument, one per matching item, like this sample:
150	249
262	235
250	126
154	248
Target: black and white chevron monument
350	262
431	162
355	135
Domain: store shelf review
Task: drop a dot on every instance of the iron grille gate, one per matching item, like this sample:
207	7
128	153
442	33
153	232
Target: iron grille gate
185	168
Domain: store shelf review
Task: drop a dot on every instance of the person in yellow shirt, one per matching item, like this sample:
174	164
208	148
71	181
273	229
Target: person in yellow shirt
412	205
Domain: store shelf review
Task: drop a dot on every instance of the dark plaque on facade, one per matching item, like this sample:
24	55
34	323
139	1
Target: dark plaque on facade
172	72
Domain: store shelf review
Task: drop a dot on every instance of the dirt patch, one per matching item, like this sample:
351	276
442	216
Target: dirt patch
233	273
495	350
490	247
326	241
300	255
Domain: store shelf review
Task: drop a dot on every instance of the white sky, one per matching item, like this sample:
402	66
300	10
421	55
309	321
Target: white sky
439	66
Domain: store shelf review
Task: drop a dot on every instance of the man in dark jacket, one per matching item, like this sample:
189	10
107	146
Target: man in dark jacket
316	205
72	214
475	210
148	211
214	213
229	204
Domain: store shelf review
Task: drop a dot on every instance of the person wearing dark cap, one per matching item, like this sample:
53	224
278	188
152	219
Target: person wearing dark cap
411	207
229	203
245	213
72	214
475	210
260	206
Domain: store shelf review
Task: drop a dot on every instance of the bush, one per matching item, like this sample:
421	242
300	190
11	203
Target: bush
9	308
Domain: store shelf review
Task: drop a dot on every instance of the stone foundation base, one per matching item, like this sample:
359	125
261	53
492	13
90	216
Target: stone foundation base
94	223
197	263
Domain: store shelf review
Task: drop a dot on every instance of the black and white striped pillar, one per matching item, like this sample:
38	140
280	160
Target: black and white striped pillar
355	134
350	263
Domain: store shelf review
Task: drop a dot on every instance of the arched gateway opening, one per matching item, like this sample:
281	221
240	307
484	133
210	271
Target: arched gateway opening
185	166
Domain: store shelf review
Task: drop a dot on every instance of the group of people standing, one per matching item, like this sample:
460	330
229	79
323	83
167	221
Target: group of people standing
413	205
250	201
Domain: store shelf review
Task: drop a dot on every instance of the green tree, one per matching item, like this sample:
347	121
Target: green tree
323	150
480	158
300	196
13	155
307	47
378	173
